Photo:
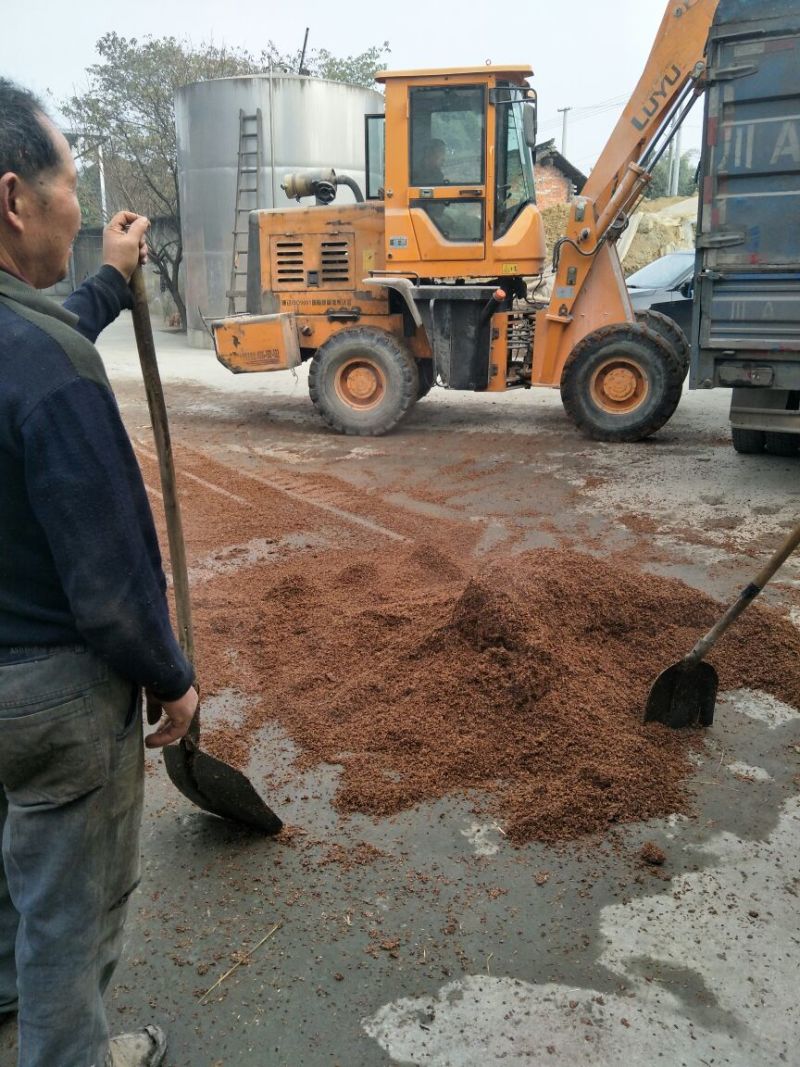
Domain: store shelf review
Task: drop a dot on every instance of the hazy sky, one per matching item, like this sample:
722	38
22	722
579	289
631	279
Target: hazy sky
585	55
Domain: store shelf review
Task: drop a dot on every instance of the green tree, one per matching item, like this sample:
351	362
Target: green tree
687	186
320	63
128	109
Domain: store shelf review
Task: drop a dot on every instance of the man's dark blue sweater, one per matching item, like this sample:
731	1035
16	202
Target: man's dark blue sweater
79	558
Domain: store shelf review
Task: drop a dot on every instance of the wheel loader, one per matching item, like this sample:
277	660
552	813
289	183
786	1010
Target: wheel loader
432	275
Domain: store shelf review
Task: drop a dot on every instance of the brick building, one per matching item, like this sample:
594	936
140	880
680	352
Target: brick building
557	181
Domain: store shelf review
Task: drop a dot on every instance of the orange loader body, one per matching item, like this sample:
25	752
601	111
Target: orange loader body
430	277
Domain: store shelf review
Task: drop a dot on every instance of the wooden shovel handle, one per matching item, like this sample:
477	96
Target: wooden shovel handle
166	465
745	598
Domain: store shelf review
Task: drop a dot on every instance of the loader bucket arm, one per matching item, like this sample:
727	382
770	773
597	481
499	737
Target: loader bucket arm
677	51
589	290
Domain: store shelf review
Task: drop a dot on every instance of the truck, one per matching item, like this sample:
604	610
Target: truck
746	325
432	275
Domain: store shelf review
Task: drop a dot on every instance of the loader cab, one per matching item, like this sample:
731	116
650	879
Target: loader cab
452	160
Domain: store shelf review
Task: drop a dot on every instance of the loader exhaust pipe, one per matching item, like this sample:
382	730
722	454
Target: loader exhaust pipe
321	184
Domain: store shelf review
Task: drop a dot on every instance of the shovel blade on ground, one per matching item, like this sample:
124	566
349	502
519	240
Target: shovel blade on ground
683	696
219	789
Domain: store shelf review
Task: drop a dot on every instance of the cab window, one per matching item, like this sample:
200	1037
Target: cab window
457	220
515	186
375	126
447	135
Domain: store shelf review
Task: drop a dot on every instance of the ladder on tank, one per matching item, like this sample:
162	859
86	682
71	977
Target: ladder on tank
248	198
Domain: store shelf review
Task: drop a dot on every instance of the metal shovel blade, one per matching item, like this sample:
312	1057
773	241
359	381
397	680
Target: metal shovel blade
683	696
218	788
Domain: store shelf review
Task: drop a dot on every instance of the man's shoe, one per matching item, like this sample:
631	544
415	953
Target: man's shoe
143	1048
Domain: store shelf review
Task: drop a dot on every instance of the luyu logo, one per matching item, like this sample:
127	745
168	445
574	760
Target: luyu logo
658	97
670	78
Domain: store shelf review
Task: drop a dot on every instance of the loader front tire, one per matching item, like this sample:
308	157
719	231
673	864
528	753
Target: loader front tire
671	332
621	383
362	381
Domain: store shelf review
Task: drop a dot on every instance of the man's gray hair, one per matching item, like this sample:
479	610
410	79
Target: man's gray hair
26	145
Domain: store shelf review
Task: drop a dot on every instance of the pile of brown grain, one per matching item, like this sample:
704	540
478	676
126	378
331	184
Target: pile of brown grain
524	683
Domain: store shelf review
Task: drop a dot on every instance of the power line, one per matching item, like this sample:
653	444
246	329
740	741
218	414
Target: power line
583	116
602	104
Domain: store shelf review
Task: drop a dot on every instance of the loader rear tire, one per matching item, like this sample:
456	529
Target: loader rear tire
671	332
621	383
362	381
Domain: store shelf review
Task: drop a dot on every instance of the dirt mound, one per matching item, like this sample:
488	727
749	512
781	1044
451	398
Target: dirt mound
523	685
656	235
657	228
555	220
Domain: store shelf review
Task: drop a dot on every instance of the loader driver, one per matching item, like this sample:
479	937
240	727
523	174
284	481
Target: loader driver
432	162
84	625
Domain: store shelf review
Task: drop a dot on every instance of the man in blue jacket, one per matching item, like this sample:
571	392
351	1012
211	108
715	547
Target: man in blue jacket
84	624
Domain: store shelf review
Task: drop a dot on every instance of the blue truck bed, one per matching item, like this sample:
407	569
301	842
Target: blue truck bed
746	328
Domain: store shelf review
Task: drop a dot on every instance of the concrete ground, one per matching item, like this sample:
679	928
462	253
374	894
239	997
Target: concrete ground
450	948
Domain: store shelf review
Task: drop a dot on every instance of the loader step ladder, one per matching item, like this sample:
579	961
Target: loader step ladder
248	198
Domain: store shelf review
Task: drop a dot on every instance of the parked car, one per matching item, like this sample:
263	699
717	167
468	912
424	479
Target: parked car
666	285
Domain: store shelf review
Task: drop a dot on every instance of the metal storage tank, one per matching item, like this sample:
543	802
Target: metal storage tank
305	122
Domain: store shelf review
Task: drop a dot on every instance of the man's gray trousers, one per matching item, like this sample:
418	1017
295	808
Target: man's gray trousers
71	784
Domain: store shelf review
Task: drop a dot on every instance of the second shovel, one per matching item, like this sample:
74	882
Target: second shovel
685	693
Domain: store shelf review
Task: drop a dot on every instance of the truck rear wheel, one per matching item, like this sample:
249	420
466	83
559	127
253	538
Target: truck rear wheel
782	444
621	383
670	331
748	442
363	381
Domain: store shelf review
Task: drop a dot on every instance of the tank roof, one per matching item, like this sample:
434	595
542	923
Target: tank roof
265	76
517	72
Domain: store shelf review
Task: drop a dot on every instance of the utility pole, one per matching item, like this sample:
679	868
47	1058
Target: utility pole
101	170
565	111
